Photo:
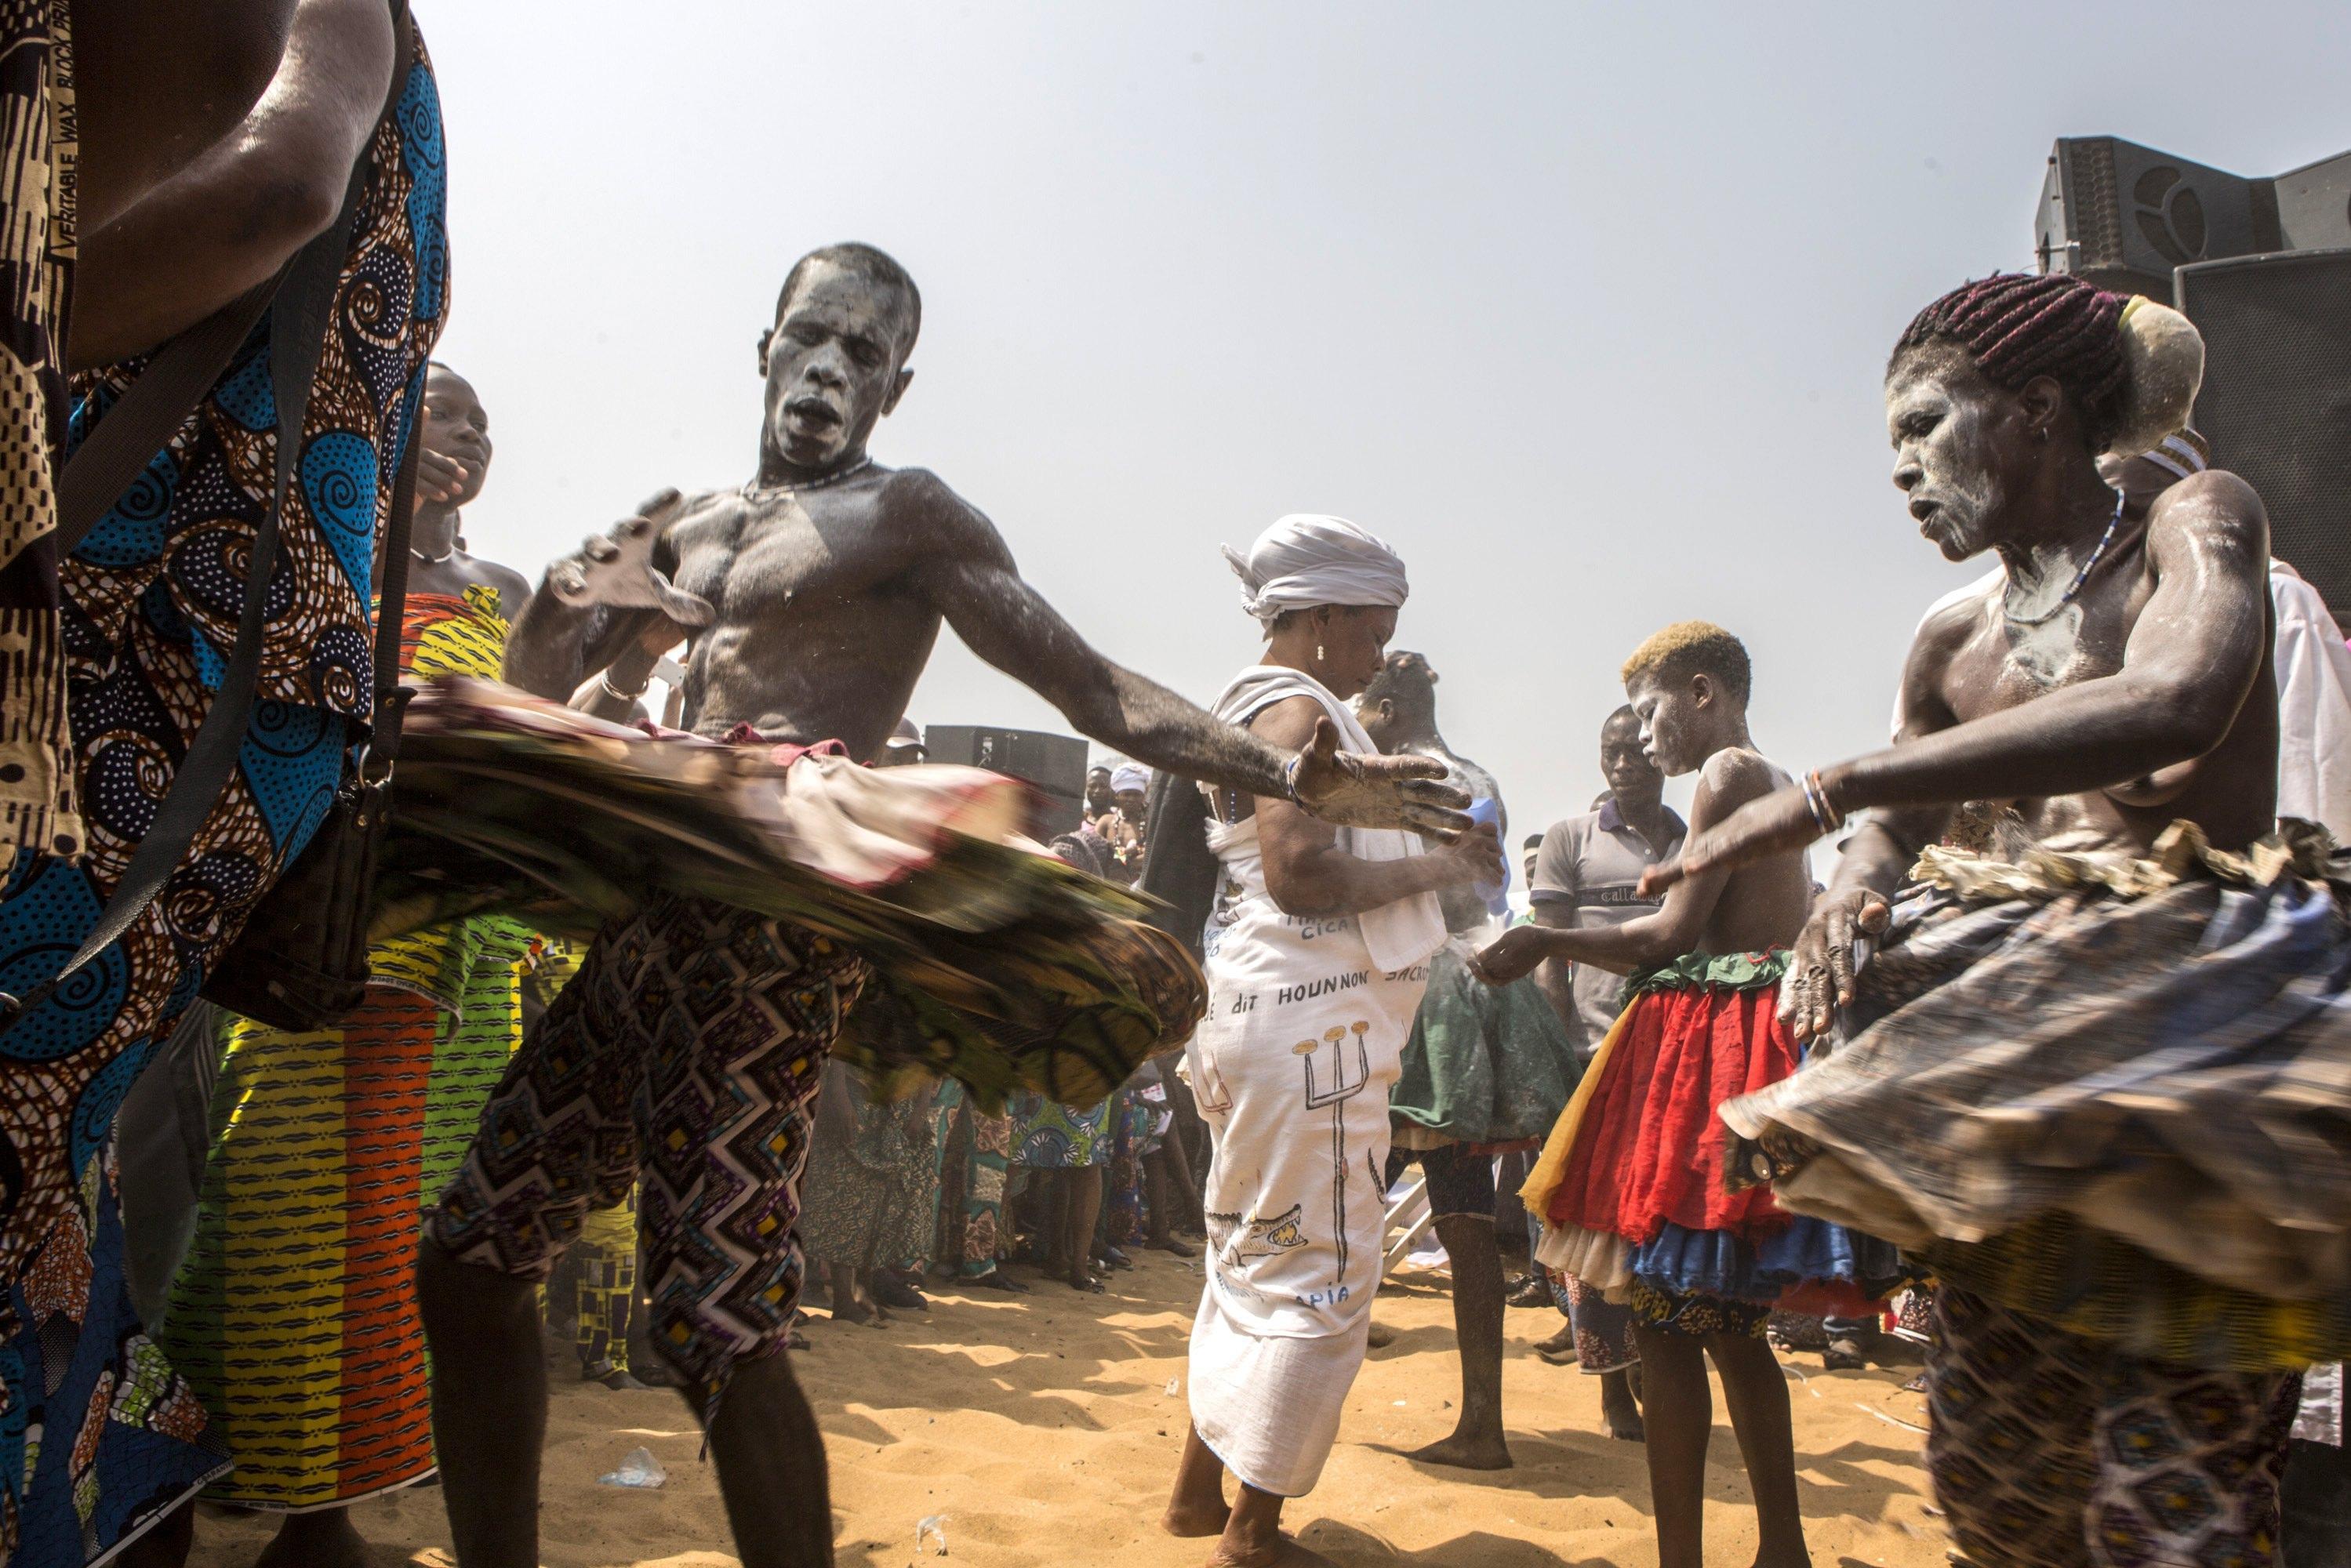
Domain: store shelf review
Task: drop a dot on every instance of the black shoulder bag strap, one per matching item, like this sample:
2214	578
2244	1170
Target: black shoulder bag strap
140	423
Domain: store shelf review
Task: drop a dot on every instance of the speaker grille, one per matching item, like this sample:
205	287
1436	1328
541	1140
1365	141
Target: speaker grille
2096	210
2276	402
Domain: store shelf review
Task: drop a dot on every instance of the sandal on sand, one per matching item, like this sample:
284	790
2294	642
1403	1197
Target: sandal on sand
892	1291
997	1279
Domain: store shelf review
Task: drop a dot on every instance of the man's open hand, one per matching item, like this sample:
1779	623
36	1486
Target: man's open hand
1773	824
617	569
1359	791
1820	967
1513	956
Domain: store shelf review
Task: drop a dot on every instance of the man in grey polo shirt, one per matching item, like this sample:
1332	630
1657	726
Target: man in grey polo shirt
1588	873
1589	869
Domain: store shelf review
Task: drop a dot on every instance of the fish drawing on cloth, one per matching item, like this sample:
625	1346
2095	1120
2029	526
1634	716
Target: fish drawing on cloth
1238	1239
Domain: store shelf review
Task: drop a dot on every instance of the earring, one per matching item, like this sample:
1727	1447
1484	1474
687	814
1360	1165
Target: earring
2041	434
1318	653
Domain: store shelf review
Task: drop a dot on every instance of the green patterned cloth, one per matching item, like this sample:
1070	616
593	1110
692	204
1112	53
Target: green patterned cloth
1711	972
871	1199
1484	1064
1047	1135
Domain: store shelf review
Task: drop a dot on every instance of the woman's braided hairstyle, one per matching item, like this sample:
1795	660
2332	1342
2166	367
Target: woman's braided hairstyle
2016	326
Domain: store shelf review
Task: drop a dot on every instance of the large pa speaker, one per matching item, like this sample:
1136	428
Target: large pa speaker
2276	402
2122	216
2314	205
1054	764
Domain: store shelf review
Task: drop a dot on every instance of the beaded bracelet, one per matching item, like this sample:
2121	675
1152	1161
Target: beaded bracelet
1825	816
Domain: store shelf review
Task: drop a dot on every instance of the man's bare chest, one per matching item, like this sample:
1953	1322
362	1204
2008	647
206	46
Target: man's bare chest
752	558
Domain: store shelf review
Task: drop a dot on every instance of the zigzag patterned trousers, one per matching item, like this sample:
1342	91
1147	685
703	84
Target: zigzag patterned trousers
686	1052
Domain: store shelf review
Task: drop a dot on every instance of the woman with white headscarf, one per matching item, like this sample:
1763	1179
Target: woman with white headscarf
1316	954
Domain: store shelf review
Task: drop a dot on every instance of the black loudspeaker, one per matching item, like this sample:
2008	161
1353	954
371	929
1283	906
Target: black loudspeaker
2124	215
2314	205
1053	764
2276	403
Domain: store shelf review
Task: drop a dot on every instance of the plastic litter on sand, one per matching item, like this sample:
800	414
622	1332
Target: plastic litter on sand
640	1468
934	1528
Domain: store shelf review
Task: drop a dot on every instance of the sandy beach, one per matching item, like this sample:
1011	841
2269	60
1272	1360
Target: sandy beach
1041	1430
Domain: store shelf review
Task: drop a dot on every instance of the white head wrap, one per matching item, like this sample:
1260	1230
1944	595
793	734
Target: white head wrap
1130	777
1305	560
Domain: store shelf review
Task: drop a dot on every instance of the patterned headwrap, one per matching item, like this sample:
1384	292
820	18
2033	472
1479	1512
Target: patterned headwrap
1305	560
1130	777
2180	455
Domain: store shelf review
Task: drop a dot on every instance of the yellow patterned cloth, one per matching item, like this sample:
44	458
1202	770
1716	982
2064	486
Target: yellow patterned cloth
441	636
294	1316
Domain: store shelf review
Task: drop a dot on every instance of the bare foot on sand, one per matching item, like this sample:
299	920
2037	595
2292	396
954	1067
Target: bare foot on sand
1465	1451
323	1540
1283	1552
1620	1406
1190	1521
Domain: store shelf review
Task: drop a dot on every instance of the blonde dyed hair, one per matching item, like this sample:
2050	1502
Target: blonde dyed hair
1689	648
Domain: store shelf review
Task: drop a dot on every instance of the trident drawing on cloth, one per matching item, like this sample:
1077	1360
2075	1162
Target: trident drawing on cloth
1335	1090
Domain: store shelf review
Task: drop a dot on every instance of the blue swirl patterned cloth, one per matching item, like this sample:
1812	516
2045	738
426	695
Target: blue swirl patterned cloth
99	1436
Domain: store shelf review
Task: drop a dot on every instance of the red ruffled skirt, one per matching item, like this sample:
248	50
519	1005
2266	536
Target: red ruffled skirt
1631	1184
1650	1148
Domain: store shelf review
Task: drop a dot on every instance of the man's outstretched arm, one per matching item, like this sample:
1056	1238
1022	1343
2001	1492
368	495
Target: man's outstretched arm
971	581
1729	779
2192	659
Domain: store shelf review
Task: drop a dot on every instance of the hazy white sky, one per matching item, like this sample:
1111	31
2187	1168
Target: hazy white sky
1582	308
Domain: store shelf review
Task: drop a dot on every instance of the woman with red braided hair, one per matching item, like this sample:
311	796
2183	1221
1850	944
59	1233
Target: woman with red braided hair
2098	1078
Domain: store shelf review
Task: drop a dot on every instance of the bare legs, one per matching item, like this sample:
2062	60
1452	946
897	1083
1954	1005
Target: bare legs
489	1422
1248	1534
1196	1506
1476	1442
327	1539
1756	1391
771	1469
849	1293
1163	1178
490	1405
166	1545
1679	1410
1620	1403
1084	1187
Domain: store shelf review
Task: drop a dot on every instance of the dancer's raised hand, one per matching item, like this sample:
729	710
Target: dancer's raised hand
1355	790
616	569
